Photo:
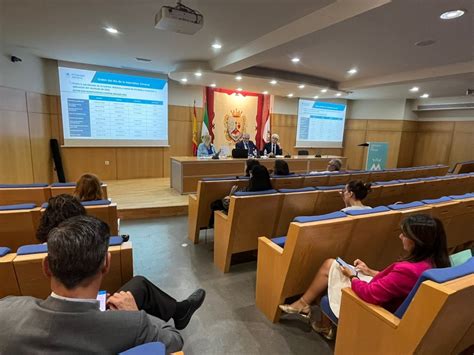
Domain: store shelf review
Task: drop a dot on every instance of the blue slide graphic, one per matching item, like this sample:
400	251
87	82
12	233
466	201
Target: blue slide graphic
113	108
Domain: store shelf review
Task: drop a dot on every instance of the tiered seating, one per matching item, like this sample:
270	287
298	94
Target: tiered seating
36	193
436	318
18	225
464	167
233	230
371	235
9	283
11	194
22	271
68	188
211	189
243	221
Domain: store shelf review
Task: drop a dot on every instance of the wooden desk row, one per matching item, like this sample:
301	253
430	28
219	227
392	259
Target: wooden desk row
187	171
22	275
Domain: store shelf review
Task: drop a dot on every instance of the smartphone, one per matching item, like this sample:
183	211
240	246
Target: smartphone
346	265
102	298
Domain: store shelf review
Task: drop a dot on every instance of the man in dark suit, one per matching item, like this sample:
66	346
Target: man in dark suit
273	148
247	144
70	321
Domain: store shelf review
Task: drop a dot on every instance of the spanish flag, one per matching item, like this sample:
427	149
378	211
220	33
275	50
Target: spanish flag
195	130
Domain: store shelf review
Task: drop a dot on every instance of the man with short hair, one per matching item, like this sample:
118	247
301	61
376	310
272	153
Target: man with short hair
273	148
247	144
69	320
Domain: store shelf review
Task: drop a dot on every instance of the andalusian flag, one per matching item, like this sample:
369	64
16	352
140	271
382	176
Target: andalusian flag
205	120
195	130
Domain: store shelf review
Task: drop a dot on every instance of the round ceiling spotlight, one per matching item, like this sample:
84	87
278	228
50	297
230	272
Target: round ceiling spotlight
425	43
452	14
273	82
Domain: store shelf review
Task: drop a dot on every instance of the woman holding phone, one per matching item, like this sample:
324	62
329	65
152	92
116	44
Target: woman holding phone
424	242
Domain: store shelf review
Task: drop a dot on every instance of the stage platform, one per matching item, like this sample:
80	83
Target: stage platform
146	198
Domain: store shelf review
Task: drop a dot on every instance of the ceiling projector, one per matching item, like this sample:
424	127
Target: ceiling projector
180	19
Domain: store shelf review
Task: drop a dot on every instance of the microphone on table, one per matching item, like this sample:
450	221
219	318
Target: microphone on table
288	155
216	156
318	154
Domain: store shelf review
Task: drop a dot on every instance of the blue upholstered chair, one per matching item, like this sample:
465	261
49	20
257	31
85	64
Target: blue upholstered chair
155	348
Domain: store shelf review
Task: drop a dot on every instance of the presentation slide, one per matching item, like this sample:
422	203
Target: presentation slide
320	124
110	109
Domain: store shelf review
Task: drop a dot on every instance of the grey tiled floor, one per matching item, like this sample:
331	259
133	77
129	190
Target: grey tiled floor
228	322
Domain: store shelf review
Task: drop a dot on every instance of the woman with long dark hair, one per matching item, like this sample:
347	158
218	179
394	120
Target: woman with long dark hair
259	181
424	243
281	168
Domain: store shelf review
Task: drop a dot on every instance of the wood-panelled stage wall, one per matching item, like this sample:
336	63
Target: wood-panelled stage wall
29	120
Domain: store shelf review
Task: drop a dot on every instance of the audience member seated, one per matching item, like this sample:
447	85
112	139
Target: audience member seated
70	320
353	194
273	148
59	209
63	207
206	148
259	181
247	144
424	242
334	166
281	168
250	163
88	188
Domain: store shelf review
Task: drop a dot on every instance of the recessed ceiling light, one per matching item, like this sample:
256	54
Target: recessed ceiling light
143	60
352	71
452	14
213	85
290	95
239	89
295	59
338	94
273	82
111	30
425	43
216	45
238	77
198	73
415	89
324	90
184	80
316	97
425	96
301	86
265	93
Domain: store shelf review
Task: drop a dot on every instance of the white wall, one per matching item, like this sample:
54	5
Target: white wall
386	109
185	95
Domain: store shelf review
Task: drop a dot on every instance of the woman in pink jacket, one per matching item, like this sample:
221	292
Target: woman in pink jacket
424	242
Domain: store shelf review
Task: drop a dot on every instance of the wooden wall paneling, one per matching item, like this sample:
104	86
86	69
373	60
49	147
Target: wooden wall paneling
384	125
433	143
15	150
462	146
40	134
142	162
285	127
432	148
406	152
80	160
12	99
355	134
38	103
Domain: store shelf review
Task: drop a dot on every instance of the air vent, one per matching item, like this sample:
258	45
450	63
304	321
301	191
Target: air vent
439	107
